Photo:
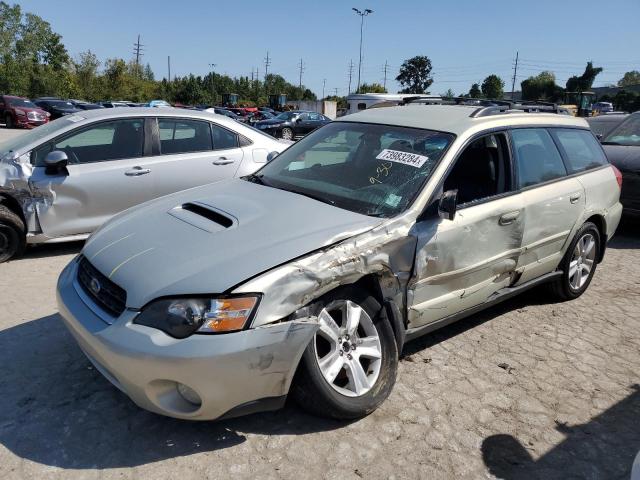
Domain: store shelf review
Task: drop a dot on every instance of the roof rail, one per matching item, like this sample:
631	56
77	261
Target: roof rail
520	106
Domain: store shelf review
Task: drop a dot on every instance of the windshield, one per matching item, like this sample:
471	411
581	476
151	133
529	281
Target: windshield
627	133
21	102
60	104
371	169
19	143
286	116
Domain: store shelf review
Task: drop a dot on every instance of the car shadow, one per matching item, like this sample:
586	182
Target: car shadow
57	410
51	250
604	447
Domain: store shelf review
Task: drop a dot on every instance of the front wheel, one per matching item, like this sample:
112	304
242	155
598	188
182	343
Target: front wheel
8	122
579	264
287	133
349	368
12	234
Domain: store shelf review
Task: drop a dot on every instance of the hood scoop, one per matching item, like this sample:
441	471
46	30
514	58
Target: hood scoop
203	216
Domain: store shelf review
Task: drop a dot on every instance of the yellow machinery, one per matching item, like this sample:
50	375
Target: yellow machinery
579	104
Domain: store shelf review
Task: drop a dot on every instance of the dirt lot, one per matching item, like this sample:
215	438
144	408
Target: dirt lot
529	389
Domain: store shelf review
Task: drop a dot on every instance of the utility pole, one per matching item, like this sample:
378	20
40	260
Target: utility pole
267	62
301	67
324	82
362	14
137	51
350	75
169	67
515	72
386	65
213	86
336	91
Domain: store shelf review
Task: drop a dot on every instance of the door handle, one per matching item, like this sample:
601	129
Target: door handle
575	197
509	218
137	171
223	161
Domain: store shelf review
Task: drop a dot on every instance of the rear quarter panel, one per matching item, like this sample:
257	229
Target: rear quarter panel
602	197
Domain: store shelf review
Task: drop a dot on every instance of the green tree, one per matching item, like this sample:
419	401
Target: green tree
584	81
449	94
415	75
630	78
474	91
541	87
493	87
371	88
86	75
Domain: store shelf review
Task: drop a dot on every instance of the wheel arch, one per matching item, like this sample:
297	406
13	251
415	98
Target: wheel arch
601	224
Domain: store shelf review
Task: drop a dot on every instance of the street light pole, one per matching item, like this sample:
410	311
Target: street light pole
362	14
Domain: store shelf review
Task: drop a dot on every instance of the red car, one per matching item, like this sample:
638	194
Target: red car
21	112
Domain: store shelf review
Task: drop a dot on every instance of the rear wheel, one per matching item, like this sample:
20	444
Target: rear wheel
12	234
8	121
287	133
350	366
579	264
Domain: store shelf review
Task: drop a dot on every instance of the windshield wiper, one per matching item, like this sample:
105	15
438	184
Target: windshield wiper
310	195
254	178
610	143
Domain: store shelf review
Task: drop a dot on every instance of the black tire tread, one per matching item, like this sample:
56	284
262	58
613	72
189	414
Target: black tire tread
10	218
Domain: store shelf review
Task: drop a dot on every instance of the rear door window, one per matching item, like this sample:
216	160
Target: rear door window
581	150
184	136
537	158
223	139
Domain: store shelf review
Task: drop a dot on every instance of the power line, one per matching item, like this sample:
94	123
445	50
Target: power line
137	51
515	72
267	63
301	67
350	75
385	74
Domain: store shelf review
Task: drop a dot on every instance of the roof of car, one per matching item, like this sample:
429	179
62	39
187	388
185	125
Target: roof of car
456	119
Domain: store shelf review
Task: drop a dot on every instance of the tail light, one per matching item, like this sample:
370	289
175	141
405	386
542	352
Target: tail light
618	175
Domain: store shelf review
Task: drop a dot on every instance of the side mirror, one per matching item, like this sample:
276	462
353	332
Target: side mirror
599	136
448	204
272	155
55	161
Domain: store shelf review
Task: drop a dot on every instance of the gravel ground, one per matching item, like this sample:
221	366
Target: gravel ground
528	389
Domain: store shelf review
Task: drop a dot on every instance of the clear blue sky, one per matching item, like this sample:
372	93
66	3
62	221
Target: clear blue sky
466	39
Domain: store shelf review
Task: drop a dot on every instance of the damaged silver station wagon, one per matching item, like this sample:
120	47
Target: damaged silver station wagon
309	275
61	181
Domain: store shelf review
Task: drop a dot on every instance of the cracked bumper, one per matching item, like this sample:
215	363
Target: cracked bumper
232	374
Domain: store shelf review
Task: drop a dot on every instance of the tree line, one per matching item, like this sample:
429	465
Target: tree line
34	62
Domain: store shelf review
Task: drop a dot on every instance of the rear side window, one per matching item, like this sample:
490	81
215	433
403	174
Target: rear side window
223	139
184	136
537	157
581	149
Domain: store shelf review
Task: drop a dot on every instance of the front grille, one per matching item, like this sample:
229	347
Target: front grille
103	291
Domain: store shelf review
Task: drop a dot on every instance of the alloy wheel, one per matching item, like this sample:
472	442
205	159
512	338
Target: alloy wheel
582	261
287	134
348	349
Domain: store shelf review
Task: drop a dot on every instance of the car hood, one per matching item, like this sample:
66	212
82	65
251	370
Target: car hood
236	230
626	158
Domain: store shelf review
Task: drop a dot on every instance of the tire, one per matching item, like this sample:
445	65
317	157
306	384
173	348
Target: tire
286	133
578	265
361	382
8	121
12	234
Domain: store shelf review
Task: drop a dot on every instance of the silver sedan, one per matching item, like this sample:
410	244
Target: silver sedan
63	180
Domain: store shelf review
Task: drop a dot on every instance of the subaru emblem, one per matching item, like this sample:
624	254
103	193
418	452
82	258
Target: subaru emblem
94	285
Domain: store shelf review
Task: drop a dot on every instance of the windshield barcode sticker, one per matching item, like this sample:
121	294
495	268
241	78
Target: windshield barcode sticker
405	158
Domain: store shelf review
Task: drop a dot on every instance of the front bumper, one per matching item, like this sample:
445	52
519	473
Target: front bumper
25	123
232	373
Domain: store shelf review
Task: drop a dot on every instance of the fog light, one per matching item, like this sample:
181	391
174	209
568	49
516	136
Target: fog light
189	394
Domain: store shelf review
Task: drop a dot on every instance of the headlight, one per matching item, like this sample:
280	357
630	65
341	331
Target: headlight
181	317
32	115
